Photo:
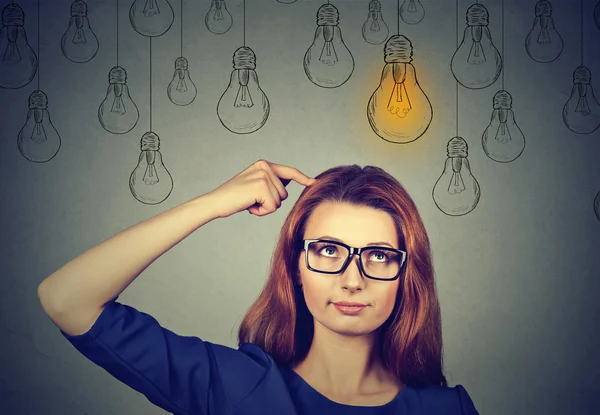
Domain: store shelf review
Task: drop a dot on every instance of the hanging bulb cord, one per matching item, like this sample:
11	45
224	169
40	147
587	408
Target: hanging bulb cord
117	32
150	83
38	45
503	59
181	28
244	21
456	82
581	31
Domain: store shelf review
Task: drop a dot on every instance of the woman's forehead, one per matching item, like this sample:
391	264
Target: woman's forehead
353	224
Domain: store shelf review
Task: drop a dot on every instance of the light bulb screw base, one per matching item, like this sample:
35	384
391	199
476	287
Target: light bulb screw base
244	58
374	6
13	15
328	15
38	100
117	75
181	63
78	9
398	49
457	147
502	100
543	8
477	15
582	75
150	141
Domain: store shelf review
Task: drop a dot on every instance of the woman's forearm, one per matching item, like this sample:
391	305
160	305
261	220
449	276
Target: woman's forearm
107	269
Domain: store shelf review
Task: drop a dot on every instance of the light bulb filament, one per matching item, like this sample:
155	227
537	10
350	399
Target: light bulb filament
219	12
38	134
243	98
456	185
583	106
328	55
79	36
151	8
150	175
375	23
181	84
544	36
412	7
476	54
12	54
399	102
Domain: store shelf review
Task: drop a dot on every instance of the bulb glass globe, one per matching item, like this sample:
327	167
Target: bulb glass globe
503	140
118	114
375	31
597	15
476	63
243	108
328	63
597	205
543	43
38	140
581	113
181	89
150	182
218	19
19	62
399	111
151	17
79	43
412	11
456	192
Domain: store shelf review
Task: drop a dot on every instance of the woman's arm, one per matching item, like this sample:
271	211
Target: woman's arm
75	295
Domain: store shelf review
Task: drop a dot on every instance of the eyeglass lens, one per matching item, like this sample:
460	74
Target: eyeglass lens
330	257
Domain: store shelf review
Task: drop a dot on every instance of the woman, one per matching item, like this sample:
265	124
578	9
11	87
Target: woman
300	350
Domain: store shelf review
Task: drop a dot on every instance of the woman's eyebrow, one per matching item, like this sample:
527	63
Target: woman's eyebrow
380	243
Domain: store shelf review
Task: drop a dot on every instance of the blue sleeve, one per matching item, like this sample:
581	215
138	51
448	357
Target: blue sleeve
466	403
180	374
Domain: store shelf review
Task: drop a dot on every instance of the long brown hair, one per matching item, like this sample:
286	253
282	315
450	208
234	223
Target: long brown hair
411	338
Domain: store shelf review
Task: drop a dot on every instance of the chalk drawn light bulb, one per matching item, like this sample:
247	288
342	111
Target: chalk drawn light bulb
543	43
328	63
19	62
243	108
79	43
399	111
581	113
503	140
597	205
118	114
412	11
181	89
151	17
38	140
375	31
456	192
150	182
218	19
476	63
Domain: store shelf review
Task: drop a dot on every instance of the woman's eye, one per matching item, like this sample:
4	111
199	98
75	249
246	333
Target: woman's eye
329	250
380	256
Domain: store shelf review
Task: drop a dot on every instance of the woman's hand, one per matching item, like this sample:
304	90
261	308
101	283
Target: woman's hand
260	189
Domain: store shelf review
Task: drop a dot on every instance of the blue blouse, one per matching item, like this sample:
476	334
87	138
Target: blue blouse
185	375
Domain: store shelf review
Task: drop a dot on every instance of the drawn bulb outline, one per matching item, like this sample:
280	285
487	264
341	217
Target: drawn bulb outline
79	43
19	62
581	113
456	192
412	11
181	89
375	30
399	111
503	141
243	108
597	205
476	63
328	63
117	113
597	15
38	140
150	182
151	17
543	43
218	19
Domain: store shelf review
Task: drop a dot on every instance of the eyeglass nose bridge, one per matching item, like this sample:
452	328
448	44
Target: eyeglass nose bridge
354	251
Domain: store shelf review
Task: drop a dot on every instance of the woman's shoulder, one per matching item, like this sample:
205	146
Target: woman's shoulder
442	398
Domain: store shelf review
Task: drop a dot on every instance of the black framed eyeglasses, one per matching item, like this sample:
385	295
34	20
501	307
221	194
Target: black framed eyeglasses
332	257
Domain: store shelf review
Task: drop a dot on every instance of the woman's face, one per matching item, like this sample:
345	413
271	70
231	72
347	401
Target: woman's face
356	226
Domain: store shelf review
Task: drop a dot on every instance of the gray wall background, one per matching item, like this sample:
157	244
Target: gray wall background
518	277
